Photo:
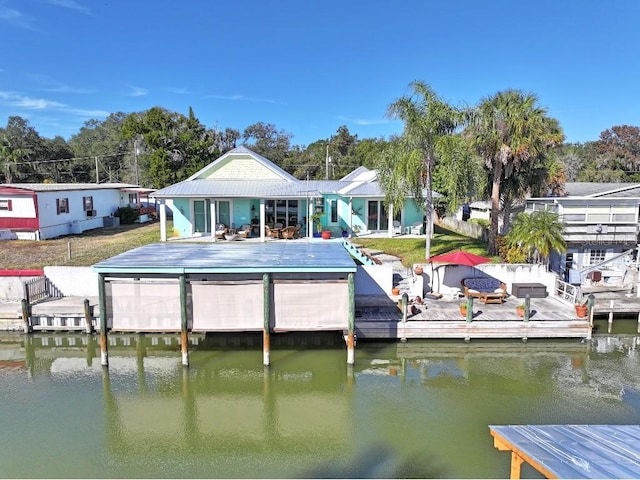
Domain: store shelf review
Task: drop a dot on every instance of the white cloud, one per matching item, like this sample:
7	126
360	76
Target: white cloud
16	18
363	121
181	91
17	100
137	91
241	98
70	4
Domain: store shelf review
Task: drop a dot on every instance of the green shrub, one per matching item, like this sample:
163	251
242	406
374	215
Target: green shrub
128	215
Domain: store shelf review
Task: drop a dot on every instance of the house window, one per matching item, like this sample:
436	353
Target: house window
334	210
5	204
87	202
62	205
133	198
596	256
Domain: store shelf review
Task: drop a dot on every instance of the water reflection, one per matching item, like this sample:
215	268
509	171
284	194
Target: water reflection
405	409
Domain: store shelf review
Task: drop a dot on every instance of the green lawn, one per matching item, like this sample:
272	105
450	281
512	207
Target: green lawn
412	250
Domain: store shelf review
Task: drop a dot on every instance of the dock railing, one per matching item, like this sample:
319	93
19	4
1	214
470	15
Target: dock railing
39	289
568	292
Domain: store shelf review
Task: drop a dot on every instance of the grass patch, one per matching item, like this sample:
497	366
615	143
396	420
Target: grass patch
86	249
412	250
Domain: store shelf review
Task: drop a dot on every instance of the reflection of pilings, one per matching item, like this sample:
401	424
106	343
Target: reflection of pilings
110	408
30	354
266	339
192	432
91	349
184	325
141	352
102	300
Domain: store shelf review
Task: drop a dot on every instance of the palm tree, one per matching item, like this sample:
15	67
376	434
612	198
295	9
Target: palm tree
9	158
426	119
539	234
510	132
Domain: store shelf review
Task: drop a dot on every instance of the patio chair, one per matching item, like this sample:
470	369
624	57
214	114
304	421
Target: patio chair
245	230
289	232
221	229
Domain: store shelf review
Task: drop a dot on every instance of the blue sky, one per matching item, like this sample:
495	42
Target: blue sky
308	66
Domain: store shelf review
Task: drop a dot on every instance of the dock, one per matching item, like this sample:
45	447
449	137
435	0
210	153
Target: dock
377	319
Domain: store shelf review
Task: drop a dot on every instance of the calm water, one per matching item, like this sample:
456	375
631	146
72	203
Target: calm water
416	409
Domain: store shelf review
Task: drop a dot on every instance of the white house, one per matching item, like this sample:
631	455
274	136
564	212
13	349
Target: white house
601	231
39	211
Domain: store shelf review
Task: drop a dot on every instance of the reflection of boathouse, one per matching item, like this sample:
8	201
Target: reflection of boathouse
206	287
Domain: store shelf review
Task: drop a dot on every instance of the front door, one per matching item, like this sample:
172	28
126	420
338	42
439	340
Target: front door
202	216
376	215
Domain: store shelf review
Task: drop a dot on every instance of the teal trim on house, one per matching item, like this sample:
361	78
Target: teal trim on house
243	187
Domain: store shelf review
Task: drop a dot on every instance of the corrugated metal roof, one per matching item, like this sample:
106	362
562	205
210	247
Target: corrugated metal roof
592	189
176	258
54	187
577	451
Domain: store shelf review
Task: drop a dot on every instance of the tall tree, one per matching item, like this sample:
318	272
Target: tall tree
426	120
268	141
510	132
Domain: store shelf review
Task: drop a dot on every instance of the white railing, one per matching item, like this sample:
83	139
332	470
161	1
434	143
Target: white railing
568	292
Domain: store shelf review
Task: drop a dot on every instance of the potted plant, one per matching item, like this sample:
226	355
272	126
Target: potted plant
520	310
581	309
463	309
316	219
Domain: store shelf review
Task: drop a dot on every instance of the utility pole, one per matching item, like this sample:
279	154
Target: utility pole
135	152
327	162
97	174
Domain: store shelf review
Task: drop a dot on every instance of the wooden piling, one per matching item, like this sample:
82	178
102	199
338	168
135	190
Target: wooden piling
25	316
102	300
610	326
87	316
184	324
527	307
266	316
469	309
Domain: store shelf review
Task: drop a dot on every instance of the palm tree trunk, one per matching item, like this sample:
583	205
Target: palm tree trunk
495	207
429	208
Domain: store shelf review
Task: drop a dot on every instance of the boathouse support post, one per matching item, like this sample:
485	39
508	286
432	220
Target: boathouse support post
184	324
266	316
25	316
102	301
351	343
88	320
527	307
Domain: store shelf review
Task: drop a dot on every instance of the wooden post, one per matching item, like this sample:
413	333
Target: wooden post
610	327
469	309
591	301
527	307
405	303
102	300
25	316
351	344
184	336
87	316
516	463
266	312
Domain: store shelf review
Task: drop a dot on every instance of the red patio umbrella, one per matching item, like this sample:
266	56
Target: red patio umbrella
460	257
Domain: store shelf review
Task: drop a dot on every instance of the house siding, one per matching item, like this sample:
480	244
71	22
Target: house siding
242	169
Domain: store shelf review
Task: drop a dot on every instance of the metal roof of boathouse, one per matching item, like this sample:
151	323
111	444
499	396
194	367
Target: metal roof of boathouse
573	451
225	257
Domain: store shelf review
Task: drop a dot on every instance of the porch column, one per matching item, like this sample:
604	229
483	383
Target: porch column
163	221
212	227
389	219
350	216
266	335
102	301
351	337
262	219
310	207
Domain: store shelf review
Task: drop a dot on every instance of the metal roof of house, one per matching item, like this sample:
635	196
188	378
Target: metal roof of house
55	187
575	451
593	189
178	258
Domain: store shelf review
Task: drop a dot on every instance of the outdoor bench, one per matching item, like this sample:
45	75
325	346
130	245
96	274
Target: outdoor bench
487	289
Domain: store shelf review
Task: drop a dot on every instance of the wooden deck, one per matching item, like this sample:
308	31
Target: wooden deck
440	319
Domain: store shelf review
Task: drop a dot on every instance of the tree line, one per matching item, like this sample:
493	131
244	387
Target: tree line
504	148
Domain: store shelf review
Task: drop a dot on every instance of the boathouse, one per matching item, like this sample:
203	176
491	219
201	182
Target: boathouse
223	287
